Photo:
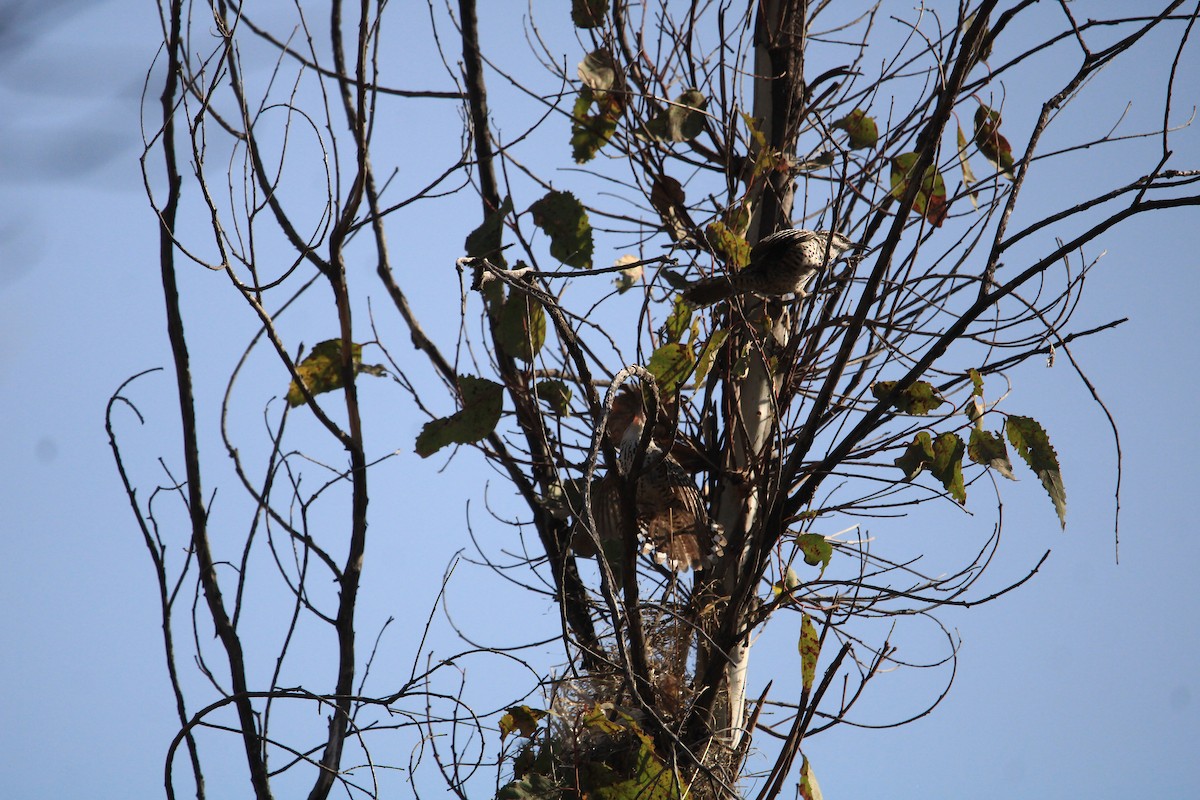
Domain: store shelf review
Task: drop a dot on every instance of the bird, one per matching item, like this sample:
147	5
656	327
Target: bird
674	524
782	263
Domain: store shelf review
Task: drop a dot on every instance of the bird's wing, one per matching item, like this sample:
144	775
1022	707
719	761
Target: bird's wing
674	519
606	510
768	246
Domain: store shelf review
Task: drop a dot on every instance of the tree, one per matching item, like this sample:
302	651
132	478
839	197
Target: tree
694	131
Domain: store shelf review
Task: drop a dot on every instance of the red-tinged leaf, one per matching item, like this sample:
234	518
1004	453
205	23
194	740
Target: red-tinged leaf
816	549
810	650
482	402
918	399
930	201
862	129
991	142
1033	446
565	221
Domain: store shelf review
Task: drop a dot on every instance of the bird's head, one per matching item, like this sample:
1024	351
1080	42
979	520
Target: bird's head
840	243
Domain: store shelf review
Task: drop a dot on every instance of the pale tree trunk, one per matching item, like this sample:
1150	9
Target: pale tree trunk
778	87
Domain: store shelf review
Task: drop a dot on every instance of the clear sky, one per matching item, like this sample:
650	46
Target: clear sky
1081	684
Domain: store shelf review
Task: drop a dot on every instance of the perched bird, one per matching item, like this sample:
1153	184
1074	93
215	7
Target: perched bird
782	263
671	515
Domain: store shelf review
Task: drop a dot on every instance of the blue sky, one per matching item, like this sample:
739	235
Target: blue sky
1082	683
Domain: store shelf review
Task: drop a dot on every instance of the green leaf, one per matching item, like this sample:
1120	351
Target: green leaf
588	13
678	321
821	161
641	775
918	399
862	129
916	456
708	355
975	406
968	174
534	786
522	719
1033	446
991	142
670	365
946	465
563	497
676	281
943	456
681	121
590	132
482	402
816	549
931	196
485	241
984	50
730	245
670	201
652	780
565	221
321	370
603	86
738	218
597	720
976	382
765	158
599	71
521	330
810	650
556	394
808	788
782	589
791	581
988	449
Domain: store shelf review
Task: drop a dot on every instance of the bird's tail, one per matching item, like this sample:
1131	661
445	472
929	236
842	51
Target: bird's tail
708	291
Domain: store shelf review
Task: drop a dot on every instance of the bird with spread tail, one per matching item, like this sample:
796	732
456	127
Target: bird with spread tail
782	263
672	519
